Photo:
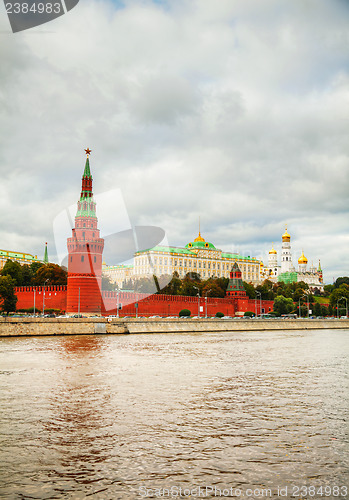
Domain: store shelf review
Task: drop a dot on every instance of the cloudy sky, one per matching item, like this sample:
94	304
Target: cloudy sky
235	111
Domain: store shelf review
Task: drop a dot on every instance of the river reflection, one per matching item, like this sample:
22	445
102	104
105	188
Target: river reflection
111	416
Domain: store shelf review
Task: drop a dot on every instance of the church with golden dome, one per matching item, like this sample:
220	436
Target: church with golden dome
286	271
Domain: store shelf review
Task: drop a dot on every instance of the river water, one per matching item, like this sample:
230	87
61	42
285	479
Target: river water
237	415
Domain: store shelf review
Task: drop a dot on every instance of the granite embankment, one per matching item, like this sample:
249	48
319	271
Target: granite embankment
13	327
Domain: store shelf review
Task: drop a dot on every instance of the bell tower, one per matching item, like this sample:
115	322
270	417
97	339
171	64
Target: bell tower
85	249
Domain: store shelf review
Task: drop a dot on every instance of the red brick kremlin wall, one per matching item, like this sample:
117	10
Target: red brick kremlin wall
170	305
148	305
55	297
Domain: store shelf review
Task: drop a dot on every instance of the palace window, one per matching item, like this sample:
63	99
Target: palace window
209	265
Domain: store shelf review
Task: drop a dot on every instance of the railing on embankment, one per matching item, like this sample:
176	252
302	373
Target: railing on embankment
16	327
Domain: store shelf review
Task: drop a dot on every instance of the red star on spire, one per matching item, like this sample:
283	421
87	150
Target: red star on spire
88	151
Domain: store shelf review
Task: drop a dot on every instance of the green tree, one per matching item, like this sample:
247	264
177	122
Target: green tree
223	283
14	270
283	305
174	285
266	290
212	289
249	288
107	285
317	309
184	312
35	266
324	311
7	293
51	274
27	275
337	294
344	280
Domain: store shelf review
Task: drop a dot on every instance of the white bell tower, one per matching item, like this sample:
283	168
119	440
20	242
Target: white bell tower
286	256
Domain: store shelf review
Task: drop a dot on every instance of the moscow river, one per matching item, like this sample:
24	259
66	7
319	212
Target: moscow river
213	415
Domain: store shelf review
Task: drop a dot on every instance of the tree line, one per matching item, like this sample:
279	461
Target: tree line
13	274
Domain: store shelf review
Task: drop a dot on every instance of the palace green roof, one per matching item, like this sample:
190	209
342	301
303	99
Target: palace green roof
18	255
226	255
183	251
188	251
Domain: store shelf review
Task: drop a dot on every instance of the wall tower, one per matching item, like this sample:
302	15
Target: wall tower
235	286
85	249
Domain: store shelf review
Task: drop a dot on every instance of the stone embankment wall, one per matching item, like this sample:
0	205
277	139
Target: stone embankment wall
12	327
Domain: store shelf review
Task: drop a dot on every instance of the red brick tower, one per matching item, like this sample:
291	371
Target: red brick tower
85	249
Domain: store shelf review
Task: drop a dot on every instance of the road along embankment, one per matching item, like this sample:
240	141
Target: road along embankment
18	327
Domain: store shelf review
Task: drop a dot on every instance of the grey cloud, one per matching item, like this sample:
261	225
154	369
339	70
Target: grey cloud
234	111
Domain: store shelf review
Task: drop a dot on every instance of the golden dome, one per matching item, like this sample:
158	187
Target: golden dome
199	238
302	259
286	236
272	249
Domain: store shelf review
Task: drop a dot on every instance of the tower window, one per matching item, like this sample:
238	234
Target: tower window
84	224
71	258
83	234
95	259
82	258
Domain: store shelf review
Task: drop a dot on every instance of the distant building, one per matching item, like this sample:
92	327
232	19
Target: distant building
287	272
22	258
198	256
118	274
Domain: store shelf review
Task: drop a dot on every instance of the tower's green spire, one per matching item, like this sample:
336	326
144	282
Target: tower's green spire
46	254
86	205
87	171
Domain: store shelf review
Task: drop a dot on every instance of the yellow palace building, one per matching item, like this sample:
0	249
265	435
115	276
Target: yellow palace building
198	256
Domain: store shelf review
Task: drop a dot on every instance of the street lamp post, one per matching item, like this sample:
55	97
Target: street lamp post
34	300
299	302
43	298
260	302
79	303
117	301
346	305
206	302
198	294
